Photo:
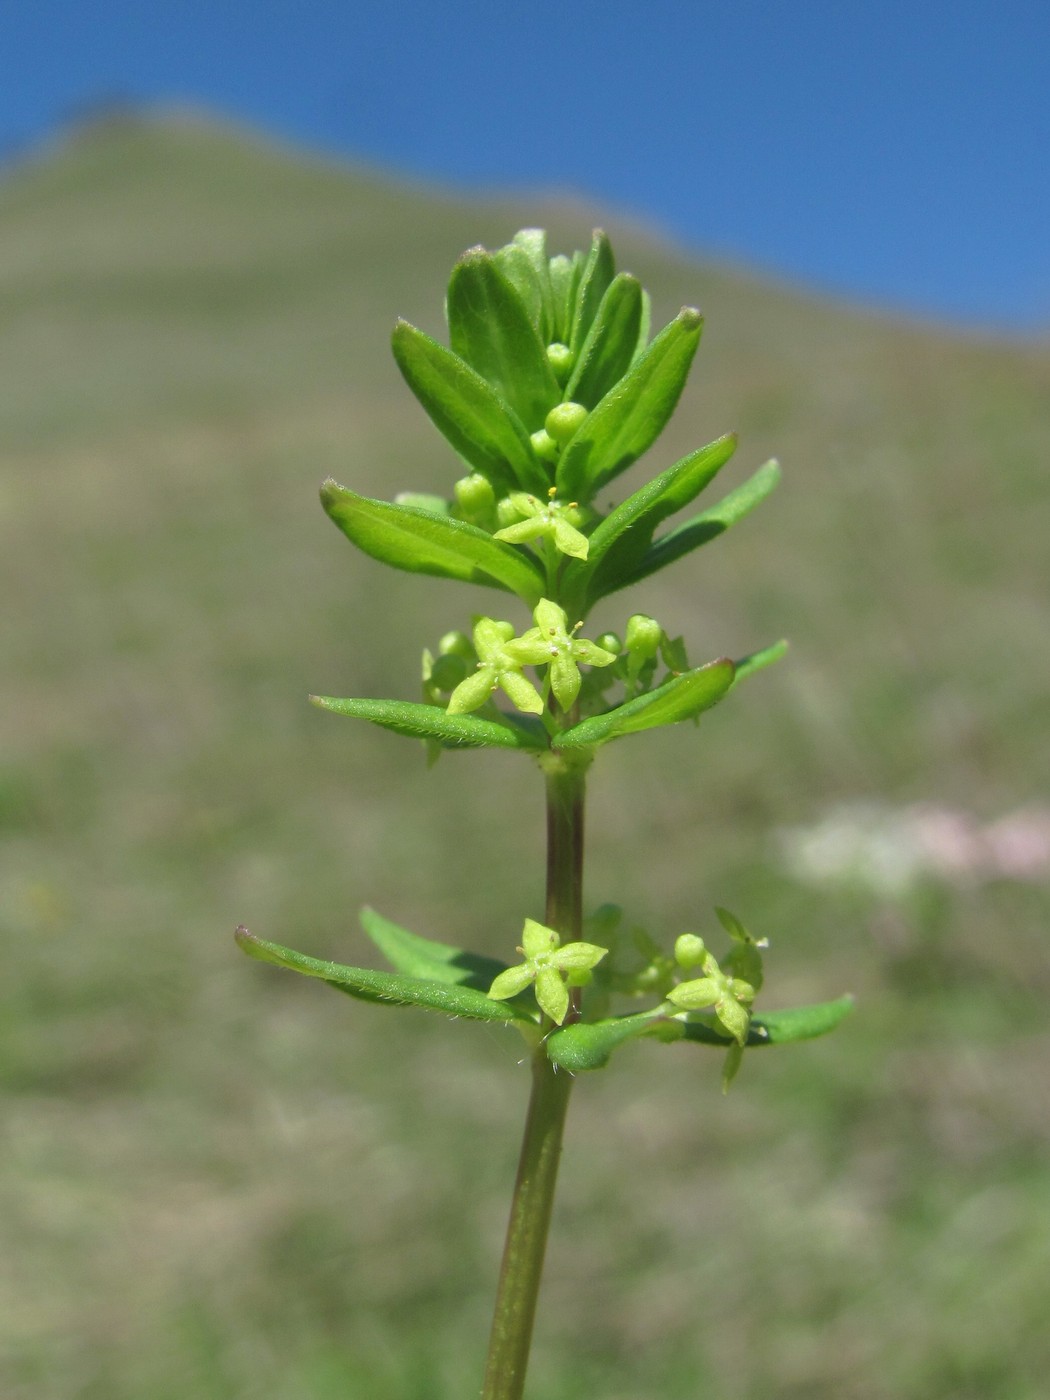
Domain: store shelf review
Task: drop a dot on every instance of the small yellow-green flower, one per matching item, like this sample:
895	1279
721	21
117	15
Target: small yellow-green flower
497	668
548	519
729	996
551	643
550	967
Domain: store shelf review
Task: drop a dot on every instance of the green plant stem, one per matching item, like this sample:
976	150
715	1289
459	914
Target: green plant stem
533	1201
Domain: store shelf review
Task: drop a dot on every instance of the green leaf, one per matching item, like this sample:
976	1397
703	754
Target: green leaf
598	271
682	698
489	327
525	265
412	539
388	987
468	412
618	545
773	1027
422	500
711	523
417	721
645	326
748	665
633	413
588	1045
606	354
564	276
425	957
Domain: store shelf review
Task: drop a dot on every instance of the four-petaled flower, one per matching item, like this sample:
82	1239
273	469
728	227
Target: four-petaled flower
551	643
546	520
730	997
549	966
497	667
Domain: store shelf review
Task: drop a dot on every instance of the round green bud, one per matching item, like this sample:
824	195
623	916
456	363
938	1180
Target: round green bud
507	513
689	950
643	636
448	671
456	644
609	641
544	446
505	630
559	357
474	494
564	420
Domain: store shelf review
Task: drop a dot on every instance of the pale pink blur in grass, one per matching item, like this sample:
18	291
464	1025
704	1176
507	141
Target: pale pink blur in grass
890	849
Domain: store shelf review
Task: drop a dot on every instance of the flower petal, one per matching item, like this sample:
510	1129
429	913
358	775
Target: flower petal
550	619
565	680
578	955
570	540
523	531
592	654
472	693
489	636
510	982
552	994
532	648
538	938
734	1017
525	504
523	694
691	996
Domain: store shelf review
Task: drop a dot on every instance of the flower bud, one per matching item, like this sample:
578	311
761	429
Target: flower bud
457	644
474	496
689	950
564	420
447	672
643	636
559	357
609	641
544	446
507	512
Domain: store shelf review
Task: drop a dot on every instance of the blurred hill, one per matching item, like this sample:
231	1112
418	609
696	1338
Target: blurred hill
208	1166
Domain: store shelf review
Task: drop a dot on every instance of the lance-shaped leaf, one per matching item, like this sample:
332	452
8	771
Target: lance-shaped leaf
565	278
633	413
588	1045
772	1027
748	665
620	542
425	957
421	543
681	698
417	721
606	354
598	271
645	326
710	523
490	328
525	265
467	411
392	988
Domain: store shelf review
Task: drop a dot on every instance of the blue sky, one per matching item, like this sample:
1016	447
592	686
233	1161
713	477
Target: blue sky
896	153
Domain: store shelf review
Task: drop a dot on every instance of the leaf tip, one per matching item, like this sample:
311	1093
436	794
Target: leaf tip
473	255
330	492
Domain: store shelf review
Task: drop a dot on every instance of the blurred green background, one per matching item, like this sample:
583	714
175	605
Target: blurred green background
219	1181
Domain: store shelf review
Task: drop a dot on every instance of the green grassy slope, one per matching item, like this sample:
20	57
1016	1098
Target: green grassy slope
209	1168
